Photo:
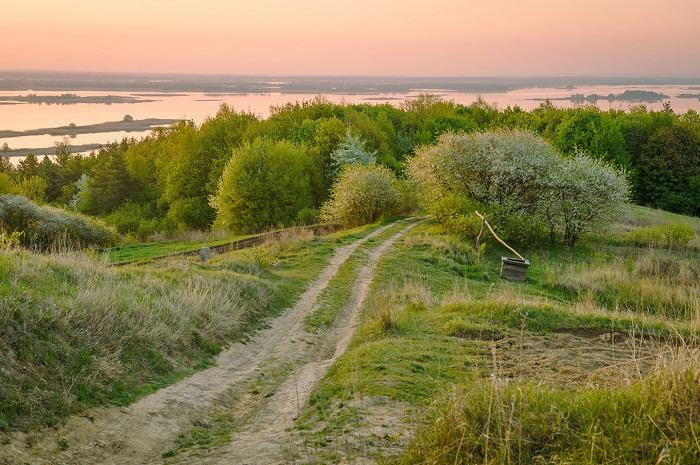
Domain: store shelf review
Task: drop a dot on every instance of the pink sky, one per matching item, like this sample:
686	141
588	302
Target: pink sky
354	37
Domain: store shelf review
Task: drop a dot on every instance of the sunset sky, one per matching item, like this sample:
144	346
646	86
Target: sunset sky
354	37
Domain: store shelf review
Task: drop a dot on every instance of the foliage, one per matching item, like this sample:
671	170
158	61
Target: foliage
33	188
510	170
7	185
668	172
177	169
351	151
361	195
9	240
45	227
586	194
593	131
520	181
264	184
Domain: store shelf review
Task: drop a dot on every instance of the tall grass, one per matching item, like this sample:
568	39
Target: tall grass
74	332
650	421
652	282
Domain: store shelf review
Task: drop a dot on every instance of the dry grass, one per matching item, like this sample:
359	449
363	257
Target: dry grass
651	282
77	332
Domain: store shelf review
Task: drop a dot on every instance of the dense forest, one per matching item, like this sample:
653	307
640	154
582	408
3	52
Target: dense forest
281	169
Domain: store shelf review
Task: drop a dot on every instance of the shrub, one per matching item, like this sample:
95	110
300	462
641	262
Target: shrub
519	181
585	193
45	227
456	213
510	169
264	184
307	216
7	186
408	197
667	235
361	195
128	217
33	188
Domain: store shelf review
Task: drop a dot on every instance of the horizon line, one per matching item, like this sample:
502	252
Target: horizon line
320	75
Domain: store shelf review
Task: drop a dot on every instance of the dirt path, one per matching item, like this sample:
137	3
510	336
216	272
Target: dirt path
140	433
266	439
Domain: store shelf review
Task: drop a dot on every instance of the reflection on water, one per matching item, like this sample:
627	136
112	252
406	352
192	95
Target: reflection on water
197	106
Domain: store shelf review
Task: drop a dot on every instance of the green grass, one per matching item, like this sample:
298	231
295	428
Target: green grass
339	289
438	324
140	252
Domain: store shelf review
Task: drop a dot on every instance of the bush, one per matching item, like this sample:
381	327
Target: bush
129	217
33	188
265	184
408	197
361	195
519	181
351	151
307	216
456	213
585	193
667	235
44	227
508	169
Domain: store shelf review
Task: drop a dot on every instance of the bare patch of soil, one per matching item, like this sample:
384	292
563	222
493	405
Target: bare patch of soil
570	360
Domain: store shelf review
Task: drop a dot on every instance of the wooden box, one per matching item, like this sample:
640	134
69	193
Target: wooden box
514	269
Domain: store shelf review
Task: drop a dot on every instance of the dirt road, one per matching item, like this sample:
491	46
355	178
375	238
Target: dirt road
295	359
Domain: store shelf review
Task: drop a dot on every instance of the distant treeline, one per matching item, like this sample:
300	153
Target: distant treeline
167	181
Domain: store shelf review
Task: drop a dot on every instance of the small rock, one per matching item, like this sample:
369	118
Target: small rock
205	254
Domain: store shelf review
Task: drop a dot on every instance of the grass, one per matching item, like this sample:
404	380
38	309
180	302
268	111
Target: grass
339	289
75	332
592	360
140	252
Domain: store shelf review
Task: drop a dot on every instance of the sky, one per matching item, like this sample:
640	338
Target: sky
354	37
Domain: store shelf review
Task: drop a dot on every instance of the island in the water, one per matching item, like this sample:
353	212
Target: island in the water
626	96
69	99
128	124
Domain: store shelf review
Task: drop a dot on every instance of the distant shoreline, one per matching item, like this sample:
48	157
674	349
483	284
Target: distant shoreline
25	81
69	99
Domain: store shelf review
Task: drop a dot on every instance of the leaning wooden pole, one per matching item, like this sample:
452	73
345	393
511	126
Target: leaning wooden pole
498	238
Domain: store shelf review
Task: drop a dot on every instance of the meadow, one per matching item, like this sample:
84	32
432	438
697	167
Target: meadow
394	340
592	360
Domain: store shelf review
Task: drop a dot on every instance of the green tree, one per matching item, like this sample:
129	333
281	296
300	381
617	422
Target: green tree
585	193
265	184
668	174
109	183
33	188
351	151
28	167
7	185
593	132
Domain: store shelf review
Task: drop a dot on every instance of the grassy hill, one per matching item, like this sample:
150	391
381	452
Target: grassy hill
592	360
